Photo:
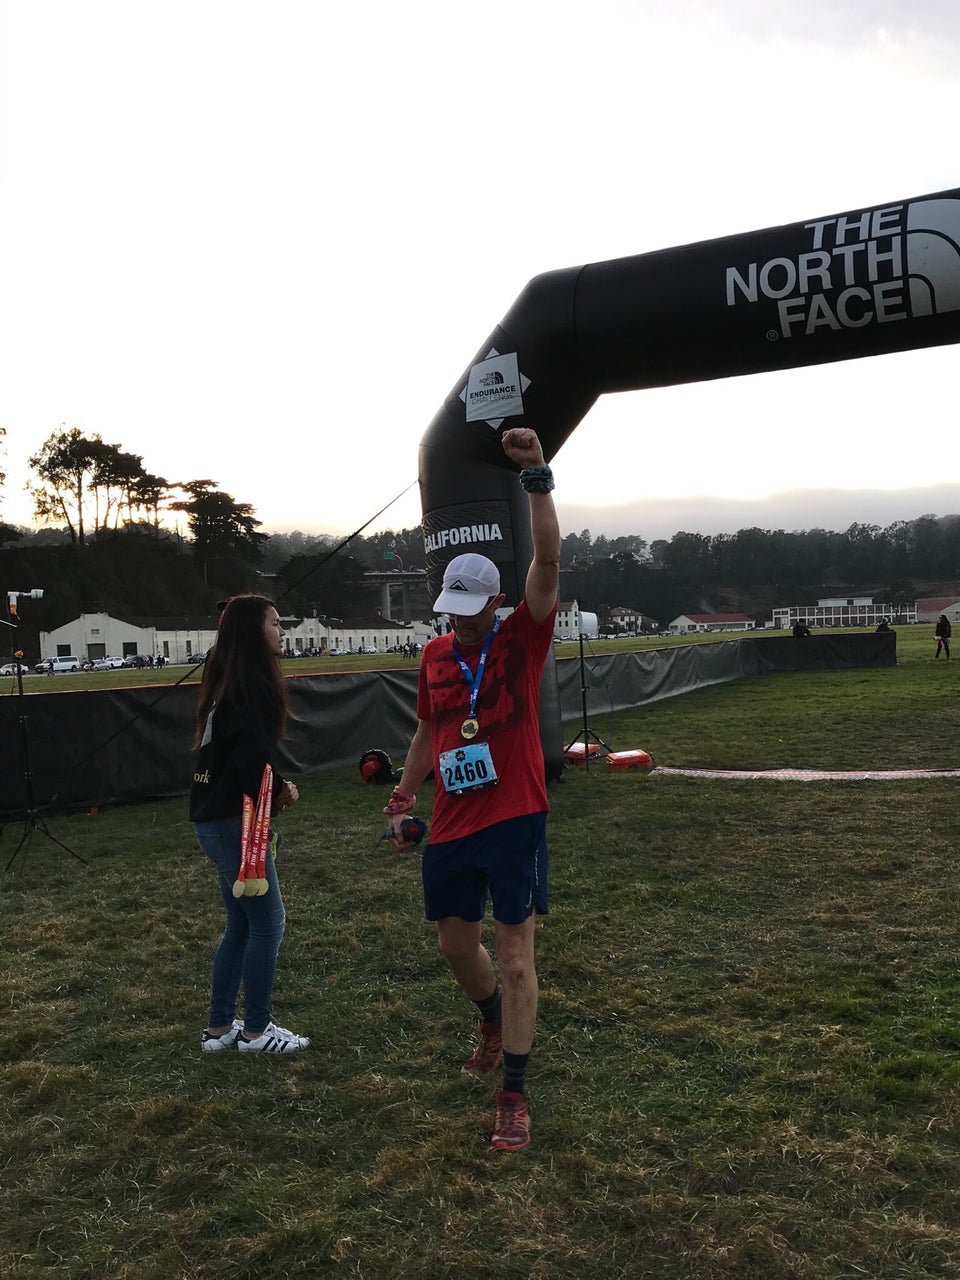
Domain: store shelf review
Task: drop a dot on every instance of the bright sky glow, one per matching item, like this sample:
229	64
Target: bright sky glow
259	242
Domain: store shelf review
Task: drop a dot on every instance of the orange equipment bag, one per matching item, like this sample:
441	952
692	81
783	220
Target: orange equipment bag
630	760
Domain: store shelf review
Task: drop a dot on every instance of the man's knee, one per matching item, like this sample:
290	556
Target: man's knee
458	943
515	959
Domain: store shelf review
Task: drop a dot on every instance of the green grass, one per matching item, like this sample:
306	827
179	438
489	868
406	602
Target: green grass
747	1063
904	717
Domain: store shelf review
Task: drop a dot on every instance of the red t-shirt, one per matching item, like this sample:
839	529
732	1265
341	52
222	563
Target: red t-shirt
508	714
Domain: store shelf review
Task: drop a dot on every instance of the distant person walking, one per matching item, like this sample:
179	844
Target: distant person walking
942	632
241	716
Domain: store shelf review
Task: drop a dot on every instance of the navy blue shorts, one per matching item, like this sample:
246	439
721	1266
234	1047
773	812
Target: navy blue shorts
509	860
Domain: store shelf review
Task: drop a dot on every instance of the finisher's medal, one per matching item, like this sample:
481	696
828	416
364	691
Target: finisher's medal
470	728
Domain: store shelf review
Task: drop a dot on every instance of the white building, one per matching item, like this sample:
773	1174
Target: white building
184	639
571	620
352	635
688	622
100	635
930	609
843	611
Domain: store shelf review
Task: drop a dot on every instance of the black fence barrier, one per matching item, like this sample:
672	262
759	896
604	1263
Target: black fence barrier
614	682
108	746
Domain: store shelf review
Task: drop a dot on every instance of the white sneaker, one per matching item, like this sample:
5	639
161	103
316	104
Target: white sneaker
274	1040
213	1044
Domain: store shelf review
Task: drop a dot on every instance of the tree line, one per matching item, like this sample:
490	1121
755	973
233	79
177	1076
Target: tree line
754	570
109	546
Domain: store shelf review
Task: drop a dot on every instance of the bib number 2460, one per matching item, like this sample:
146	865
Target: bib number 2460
467	768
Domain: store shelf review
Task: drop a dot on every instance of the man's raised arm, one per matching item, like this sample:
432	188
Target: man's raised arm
543	577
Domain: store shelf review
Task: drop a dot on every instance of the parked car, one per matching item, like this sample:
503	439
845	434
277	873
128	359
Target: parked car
336	652
106	664
51	666
11	668
367	648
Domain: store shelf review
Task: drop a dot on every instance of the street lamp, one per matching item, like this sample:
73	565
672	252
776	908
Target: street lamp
14	596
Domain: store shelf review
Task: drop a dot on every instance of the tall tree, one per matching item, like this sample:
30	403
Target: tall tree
575	546
146	493
66	466
222	528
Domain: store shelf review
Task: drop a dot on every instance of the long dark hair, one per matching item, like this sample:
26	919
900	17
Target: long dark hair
242	669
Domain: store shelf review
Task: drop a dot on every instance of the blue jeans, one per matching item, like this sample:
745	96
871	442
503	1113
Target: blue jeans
247	954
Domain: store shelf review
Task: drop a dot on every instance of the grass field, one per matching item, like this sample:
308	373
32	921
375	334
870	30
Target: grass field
748	1058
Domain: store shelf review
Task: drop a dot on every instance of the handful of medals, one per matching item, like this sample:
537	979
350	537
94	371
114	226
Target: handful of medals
254	841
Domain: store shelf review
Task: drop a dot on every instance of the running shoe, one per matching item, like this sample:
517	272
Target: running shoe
213	1044
512	1129
274	1040
486	1056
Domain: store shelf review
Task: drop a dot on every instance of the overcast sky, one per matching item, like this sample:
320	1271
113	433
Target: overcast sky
259	242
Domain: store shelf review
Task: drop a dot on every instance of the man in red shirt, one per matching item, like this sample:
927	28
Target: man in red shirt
478	730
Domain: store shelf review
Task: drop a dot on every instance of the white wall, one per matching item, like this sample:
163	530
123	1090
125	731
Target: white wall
86	634
183	645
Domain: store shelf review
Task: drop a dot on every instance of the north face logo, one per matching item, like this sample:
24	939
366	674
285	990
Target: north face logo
933	256
874	267
458	586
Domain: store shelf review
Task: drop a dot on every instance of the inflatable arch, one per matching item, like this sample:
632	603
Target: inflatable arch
860	283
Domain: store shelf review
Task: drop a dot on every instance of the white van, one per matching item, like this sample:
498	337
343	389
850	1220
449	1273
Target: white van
61	663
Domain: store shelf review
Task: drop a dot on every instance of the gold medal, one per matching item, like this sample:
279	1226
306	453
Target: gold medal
470	728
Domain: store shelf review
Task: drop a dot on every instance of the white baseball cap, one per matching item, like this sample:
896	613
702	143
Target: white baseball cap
468	583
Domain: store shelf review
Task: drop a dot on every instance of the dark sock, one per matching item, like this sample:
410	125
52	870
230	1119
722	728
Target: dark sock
490	1008
514	1071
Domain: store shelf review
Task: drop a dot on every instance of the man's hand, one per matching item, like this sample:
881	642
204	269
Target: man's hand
522	446
287	796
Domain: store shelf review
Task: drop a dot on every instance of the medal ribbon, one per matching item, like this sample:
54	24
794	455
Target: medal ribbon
255	835
473	681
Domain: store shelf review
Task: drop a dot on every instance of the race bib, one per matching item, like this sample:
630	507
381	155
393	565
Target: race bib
467	768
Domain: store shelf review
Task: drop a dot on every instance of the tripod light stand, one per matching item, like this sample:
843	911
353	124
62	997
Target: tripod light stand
586	733
32	821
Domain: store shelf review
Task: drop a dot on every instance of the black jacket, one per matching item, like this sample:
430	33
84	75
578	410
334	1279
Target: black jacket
237	744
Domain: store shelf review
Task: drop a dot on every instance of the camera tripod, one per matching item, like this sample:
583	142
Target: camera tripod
33	820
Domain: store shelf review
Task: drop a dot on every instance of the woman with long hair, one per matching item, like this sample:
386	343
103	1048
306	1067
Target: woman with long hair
241	717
